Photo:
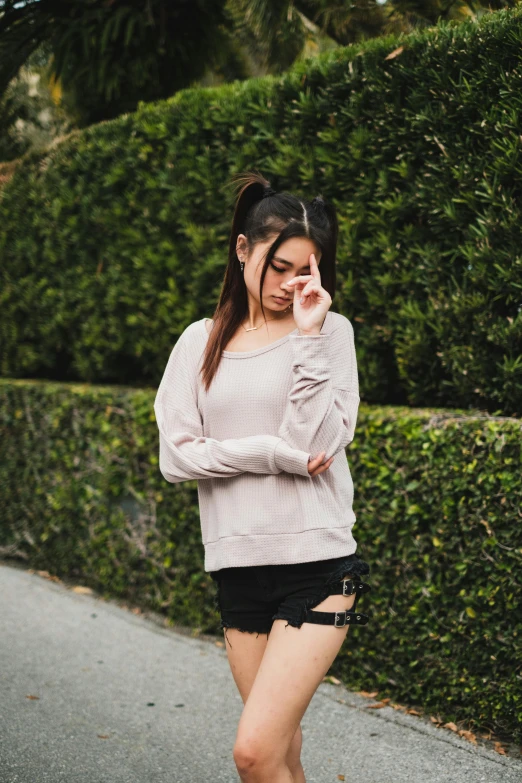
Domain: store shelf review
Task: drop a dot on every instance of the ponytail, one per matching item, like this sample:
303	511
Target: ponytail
320	206
253	188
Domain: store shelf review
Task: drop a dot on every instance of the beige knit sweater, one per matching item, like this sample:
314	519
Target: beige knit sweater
248	440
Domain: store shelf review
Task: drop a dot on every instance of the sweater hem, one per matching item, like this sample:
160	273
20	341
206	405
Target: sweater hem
279	549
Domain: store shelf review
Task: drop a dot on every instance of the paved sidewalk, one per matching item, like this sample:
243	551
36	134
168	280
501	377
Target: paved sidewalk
123	700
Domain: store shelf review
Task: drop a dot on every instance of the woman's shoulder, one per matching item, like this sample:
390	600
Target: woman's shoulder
198	328
194	331
191	340
339	321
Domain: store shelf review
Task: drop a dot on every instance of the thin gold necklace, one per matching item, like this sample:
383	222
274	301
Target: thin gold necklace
252	328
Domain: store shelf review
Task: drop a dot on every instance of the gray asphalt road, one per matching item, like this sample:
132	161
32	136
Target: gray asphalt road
123	700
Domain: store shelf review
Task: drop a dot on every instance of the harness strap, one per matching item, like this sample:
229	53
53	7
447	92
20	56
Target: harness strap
339	619
344	617
349	587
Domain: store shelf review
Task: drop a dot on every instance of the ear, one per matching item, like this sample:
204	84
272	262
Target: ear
241	245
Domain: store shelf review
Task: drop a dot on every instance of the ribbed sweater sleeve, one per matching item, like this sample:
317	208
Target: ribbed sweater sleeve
185	453
323	402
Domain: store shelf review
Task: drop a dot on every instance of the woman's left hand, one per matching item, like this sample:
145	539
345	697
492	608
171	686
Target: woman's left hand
311	300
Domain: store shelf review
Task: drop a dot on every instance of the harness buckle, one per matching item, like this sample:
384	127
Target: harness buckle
348	583
345	619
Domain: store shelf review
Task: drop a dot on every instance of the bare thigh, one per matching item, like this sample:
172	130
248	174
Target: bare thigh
244	657
294	663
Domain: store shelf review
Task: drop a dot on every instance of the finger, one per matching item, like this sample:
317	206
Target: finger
309	289
314	267
321	468
306	296
325	465
299	279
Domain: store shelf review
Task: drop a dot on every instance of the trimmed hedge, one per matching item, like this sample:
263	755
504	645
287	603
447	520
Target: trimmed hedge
438	496
115	240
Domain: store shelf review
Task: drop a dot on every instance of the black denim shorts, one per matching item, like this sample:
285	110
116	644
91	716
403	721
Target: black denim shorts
250	598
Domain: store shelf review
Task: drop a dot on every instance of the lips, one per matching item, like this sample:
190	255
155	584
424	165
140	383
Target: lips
282	298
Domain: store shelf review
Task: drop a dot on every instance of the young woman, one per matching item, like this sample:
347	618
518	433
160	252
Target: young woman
259	404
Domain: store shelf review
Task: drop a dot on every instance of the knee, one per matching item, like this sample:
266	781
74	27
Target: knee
249	757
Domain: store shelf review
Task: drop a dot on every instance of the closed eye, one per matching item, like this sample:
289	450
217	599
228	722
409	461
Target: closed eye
279	269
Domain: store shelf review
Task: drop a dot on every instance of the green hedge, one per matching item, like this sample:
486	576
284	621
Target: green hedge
112	242
437	497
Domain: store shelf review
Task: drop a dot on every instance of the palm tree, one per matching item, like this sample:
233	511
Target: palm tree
107	55
110	54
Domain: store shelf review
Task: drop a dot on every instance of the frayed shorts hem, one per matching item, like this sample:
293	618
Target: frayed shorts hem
289	620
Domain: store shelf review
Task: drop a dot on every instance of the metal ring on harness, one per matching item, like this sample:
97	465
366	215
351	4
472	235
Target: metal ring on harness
346	616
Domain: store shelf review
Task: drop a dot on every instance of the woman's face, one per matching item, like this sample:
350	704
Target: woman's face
292	258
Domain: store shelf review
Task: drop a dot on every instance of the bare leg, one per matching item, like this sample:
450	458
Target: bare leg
244	657
292	667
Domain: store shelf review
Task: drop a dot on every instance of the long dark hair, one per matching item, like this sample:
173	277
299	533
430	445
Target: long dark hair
261	213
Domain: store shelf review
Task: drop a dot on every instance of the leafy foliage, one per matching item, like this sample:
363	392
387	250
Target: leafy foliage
112	242
438	504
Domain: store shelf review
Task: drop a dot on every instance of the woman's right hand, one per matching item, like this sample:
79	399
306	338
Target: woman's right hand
315	467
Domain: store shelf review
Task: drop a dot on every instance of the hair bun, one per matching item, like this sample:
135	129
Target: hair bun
318	201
